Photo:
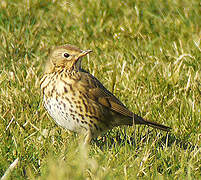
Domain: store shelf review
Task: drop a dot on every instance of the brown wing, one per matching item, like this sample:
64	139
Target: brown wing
100	94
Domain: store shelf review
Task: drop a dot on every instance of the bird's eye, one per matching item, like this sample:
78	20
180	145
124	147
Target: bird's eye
66	55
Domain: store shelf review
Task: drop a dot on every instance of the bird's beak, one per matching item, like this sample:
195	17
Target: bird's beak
84	53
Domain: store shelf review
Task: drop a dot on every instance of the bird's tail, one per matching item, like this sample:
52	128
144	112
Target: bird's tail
139	120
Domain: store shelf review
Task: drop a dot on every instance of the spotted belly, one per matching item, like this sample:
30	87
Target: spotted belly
65	115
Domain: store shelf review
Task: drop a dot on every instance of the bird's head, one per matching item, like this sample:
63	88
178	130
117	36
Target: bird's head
65	57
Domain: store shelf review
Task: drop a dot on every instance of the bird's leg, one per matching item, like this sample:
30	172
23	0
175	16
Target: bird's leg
88	137
134	125
133	120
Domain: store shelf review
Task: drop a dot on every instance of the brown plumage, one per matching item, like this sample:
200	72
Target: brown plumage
77	101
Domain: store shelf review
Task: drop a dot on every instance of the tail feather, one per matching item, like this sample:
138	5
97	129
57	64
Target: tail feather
139	120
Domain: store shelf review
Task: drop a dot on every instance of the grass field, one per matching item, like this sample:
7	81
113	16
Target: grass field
146	52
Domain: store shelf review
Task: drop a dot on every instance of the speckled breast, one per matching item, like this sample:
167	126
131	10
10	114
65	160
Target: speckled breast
67	105
63	113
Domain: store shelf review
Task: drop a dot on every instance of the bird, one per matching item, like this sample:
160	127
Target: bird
78	101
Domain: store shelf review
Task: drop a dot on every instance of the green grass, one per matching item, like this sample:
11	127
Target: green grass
146	52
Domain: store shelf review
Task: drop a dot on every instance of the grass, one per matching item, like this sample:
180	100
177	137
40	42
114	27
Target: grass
146	52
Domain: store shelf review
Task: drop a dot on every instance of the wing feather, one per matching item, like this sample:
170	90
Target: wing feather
101	95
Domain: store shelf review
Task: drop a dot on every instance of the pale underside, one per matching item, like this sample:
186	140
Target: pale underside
61	115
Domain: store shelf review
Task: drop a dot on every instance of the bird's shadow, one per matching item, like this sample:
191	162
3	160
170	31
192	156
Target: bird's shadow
162	140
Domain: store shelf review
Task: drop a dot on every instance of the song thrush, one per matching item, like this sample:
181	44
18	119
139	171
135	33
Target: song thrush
77	101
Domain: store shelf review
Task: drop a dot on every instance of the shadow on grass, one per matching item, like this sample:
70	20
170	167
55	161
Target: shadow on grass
161	140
